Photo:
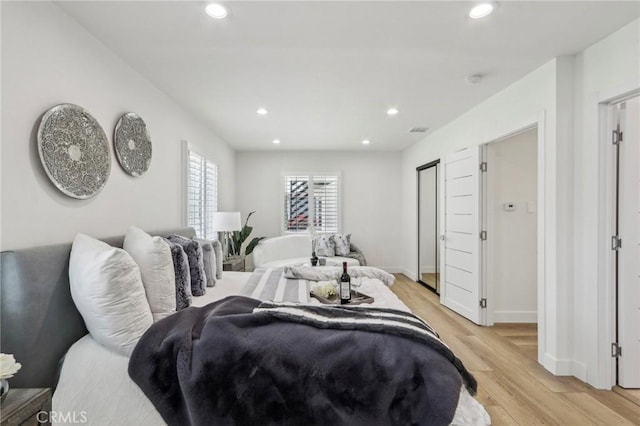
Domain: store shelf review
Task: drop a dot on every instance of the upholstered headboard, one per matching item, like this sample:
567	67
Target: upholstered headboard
38	319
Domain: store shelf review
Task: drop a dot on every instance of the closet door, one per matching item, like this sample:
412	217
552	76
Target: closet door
428	229
629	251
460	284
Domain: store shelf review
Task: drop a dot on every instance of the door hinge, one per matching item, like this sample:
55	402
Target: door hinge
483	303
616	137
483	235
483	166
616	242
616	350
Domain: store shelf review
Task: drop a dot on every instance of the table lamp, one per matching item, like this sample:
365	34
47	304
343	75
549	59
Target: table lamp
226	222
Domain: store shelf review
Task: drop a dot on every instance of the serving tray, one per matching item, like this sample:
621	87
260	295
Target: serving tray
360	299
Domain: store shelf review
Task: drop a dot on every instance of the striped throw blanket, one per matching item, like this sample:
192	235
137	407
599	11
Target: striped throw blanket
271	284
377	320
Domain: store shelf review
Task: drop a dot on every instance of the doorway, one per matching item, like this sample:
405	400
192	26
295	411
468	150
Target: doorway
428	226
626	240
509	215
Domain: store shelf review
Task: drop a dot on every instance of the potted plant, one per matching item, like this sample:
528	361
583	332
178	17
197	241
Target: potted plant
239	237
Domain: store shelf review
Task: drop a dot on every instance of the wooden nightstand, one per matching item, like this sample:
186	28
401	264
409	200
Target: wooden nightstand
234	264
23	405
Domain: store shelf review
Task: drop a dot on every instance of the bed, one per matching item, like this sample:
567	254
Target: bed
40	325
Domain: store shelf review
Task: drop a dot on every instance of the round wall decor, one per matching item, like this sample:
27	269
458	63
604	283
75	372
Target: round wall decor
74	151
132	143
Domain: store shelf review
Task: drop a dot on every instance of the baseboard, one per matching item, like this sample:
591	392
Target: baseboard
559	367
565	367
515	316
580	370
392	269
428	269
404	271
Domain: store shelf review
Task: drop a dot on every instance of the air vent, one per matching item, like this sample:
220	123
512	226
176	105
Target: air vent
419	130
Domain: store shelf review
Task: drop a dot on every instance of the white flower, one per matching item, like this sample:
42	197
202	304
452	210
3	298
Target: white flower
325	289
8	366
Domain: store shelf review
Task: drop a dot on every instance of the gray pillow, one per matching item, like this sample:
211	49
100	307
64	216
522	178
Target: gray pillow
342	244
183	276
209	259
196	263
325	246
217	248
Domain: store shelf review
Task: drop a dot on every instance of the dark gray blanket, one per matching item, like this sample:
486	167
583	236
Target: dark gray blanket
225	364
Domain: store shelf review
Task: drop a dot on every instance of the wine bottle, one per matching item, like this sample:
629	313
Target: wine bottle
345	285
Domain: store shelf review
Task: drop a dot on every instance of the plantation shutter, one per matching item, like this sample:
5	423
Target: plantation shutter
325	203
202	194
211	198
311	199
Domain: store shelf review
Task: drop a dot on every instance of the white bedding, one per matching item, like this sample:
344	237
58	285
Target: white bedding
94	380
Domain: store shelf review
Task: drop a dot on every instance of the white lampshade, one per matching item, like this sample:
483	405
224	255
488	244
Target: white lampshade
226	221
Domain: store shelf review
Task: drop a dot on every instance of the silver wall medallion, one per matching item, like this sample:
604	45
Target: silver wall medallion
132	144
74	151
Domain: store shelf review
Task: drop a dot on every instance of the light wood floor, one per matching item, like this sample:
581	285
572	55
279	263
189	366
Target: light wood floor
513	387
431	278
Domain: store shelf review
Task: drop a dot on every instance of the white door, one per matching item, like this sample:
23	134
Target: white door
460	283
629	251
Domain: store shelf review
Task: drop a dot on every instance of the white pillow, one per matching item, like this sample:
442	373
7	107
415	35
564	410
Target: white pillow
153	256
209	260
107	289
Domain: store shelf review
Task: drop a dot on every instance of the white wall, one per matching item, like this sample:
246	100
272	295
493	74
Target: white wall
566	92
370	197
531	99
512	257
47	59
605	70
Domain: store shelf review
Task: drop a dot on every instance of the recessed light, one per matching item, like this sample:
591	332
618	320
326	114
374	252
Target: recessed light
262	111
392	111
366	142
481	10
276	141
216	11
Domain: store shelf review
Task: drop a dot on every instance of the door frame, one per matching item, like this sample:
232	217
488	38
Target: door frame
606	308
486	223
419	169
487	291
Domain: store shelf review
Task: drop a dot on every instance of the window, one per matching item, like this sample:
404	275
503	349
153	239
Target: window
311	200
202	194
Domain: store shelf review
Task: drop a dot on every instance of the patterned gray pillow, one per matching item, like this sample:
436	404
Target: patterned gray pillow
209	260
196	263
183	276
325	246
342	243
217	248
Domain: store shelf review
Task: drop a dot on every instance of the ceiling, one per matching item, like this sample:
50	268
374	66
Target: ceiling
328	71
